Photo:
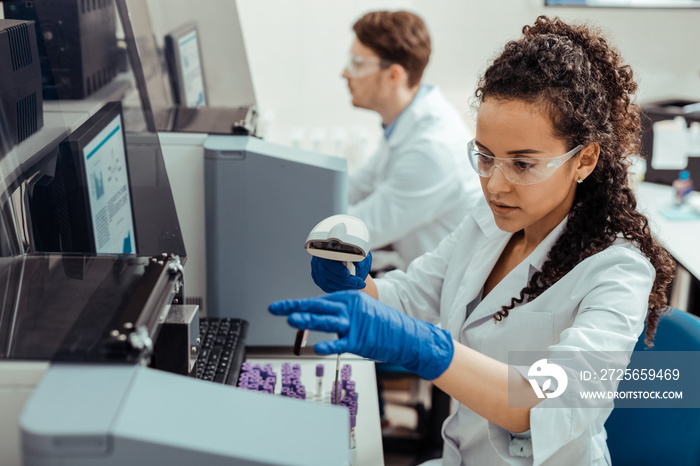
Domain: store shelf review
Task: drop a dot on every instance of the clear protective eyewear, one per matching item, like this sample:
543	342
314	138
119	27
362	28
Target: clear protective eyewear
518	170
359	66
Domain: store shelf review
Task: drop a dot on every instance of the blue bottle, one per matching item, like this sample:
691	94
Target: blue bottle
682	186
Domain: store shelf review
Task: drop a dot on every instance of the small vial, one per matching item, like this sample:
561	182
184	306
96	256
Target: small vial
339	391
319	380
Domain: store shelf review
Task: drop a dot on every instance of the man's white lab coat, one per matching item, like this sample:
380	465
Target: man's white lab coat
600	305
418	186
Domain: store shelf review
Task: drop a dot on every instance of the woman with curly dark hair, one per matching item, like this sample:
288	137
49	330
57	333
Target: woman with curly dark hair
557	259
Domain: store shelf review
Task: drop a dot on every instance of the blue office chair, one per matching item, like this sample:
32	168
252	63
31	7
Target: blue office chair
655	436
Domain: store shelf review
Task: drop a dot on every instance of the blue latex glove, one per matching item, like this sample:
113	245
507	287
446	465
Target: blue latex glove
333	276
371	329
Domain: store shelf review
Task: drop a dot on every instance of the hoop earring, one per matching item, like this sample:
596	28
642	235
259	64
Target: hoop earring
580	181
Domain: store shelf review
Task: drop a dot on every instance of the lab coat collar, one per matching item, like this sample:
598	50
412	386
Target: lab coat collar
422	91
511	283
538	257
487	250
404	124
484	219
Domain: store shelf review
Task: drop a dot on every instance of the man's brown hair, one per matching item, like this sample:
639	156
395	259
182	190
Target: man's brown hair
399	37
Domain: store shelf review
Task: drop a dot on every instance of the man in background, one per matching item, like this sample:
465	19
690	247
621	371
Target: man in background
416	188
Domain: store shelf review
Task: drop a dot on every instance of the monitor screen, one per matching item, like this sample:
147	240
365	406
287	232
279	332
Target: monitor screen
183	54
98	215
108	190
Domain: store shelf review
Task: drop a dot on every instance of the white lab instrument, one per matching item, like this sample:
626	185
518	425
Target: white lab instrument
250	186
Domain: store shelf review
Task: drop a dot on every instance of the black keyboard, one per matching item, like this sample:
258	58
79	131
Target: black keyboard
222	349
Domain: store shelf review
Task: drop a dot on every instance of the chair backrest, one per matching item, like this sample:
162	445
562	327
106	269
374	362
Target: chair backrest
654	436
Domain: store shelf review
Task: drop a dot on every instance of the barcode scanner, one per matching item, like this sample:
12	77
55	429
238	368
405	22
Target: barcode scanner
341	238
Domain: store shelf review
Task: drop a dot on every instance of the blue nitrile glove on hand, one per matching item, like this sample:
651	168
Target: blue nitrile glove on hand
371	329
333	276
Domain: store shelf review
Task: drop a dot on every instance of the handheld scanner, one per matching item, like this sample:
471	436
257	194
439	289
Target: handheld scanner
342	238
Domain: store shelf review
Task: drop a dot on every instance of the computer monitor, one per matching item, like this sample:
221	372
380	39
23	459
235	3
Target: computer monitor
98	213
184	57
153	83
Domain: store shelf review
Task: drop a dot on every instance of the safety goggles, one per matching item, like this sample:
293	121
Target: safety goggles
359	66
518	170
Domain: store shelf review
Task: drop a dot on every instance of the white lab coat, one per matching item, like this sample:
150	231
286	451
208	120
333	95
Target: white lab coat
418	186
600	305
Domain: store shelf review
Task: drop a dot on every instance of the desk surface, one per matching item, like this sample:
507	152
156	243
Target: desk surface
679	237
368	433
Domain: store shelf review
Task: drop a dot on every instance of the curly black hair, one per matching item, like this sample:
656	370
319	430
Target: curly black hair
581	82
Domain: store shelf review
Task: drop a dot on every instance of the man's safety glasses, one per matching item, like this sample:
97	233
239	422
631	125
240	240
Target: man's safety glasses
360	66
518	170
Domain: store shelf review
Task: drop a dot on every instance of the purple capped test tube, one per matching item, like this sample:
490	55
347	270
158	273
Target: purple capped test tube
319	380
334	391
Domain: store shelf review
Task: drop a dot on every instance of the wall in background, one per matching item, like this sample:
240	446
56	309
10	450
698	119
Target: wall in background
297	50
